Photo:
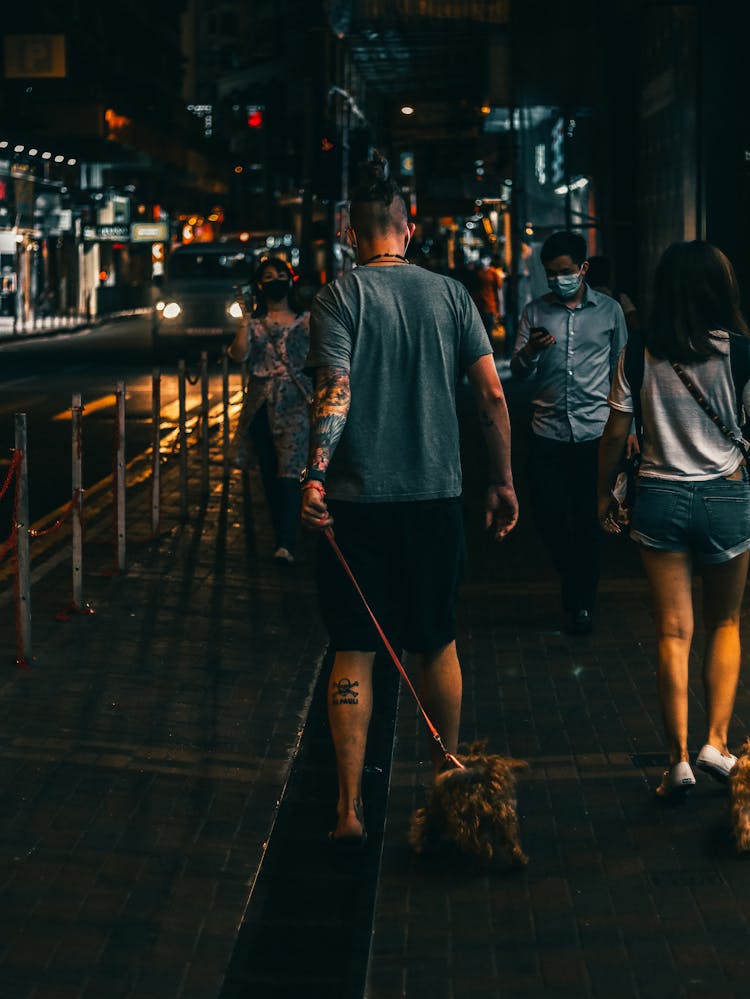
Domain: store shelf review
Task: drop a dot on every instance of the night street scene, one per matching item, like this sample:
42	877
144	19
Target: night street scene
374	499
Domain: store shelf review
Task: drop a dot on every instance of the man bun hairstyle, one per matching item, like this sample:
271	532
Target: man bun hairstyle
377	203
564	244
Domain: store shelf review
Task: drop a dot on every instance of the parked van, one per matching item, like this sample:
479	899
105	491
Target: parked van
199	304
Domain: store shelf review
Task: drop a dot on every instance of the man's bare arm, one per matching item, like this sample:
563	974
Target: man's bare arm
501	505
493	418
330	410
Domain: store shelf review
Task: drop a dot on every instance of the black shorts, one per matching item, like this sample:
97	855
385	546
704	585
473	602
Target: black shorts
408	559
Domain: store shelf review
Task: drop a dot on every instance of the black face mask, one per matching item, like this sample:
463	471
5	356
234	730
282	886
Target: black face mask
275	290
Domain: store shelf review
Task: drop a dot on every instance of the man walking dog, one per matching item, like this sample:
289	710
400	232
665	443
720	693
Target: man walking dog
389	344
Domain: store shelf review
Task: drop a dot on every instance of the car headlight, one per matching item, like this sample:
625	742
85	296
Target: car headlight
171	310
160	306
236	311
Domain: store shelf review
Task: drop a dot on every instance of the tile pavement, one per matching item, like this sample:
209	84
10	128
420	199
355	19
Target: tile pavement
623	897
142	760
143	756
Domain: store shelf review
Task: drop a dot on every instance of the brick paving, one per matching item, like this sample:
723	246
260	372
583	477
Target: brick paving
623	896
142	760
143	756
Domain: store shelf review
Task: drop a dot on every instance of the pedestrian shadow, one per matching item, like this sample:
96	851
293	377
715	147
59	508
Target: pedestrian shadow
248	518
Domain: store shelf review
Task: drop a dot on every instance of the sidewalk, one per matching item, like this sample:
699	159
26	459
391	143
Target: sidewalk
623	896
55	325
143	757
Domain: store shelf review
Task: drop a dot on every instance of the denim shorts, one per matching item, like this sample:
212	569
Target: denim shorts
708	519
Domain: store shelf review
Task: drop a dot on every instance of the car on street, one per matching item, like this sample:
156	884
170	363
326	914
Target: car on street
201	300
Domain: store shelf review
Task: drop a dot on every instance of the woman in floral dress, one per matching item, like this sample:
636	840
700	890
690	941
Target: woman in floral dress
274	342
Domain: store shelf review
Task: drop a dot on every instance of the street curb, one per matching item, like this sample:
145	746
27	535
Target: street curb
22	336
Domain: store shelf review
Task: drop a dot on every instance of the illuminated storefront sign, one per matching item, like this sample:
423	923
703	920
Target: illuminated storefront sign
107	233
149	232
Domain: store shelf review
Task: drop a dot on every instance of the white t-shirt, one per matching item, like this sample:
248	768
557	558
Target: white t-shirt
680	441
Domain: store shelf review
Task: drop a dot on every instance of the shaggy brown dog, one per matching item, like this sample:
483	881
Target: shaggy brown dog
474	809
739	799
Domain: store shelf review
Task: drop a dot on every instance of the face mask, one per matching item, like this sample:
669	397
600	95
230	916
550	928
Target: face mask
565	285
275	290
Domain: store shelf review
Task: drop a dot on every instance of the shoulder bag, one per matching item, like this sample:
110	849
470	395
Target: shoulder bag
708	409
285	361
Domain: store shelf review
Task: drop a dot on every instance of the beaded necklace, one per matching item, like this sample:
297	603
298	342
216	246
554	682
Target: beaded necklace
383	256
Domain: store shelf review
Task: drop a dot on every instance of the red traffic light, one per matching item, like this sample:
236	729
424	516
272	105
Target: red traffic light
255	118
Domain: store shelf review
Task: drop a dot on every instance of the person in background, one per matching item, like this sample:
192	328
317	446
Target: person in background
487	293
692	509
568	343
274	341
390	343
599	277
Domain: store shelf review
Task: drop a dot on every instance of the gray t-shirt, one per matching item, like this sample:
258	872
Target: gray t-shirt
406	336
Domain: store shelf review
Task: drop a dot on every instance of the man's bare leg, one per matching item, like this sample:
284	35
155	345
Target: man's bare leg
349	711
440	690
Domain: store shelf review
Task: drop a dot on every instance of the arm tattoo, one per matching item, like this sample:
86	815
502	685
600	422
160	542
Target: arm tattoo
330	410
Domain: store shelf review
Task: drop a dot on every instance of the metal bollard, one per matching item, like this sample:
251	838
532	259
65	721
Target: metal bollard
119	475
205	474
155	450
76	411
182	433
225	407
23	565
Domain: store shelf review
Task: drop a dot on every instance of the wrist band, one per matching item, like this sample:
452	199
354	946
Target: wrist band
316	483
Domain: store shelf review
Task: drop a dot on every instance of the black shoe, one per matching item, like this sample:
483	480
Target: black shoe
581	623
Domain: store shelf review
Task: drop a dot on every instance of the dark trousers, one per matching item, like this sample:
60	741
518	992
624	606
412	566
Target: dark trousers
562	477
282	495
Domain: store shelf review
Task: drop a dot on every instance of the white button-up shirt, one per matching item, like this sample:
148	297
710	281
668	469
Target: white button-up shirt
571	379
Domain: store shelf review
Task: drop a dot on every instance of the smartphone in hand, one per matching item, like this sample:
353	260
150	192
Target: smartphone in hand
541	337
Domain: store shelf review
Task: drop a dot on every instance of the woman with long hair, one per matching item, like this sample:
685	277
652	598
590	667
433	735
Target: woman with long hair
692	508
274	341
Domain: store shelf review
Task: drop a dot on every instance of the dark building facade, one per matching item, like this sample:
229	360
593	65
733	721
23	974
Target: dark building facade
97	149
624	121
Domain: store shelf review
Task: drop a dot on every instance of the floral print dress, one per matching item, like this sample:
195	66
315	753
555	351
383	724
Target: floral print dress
270	344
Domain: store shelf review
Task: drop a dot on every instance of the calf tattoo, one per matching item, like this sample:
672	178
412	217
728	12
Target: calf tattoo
345	691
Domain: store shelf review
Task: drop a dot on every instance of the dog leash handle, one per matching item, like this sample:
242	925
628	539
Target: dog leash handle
396	661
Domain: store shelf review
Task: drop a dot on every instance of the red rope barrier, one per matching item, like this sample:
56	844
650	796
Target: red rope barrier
15	463
10	541
43	532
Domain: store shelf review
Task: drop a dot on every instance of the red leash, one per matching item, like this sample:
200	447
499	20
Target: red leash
396	661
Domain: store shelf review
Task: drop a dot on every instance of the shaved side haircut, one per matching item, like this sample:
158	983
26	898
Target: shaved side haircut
377	204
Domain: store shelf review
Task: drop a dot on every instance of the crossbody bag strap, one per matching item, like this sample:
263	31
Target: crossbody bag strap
285	361
708	408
